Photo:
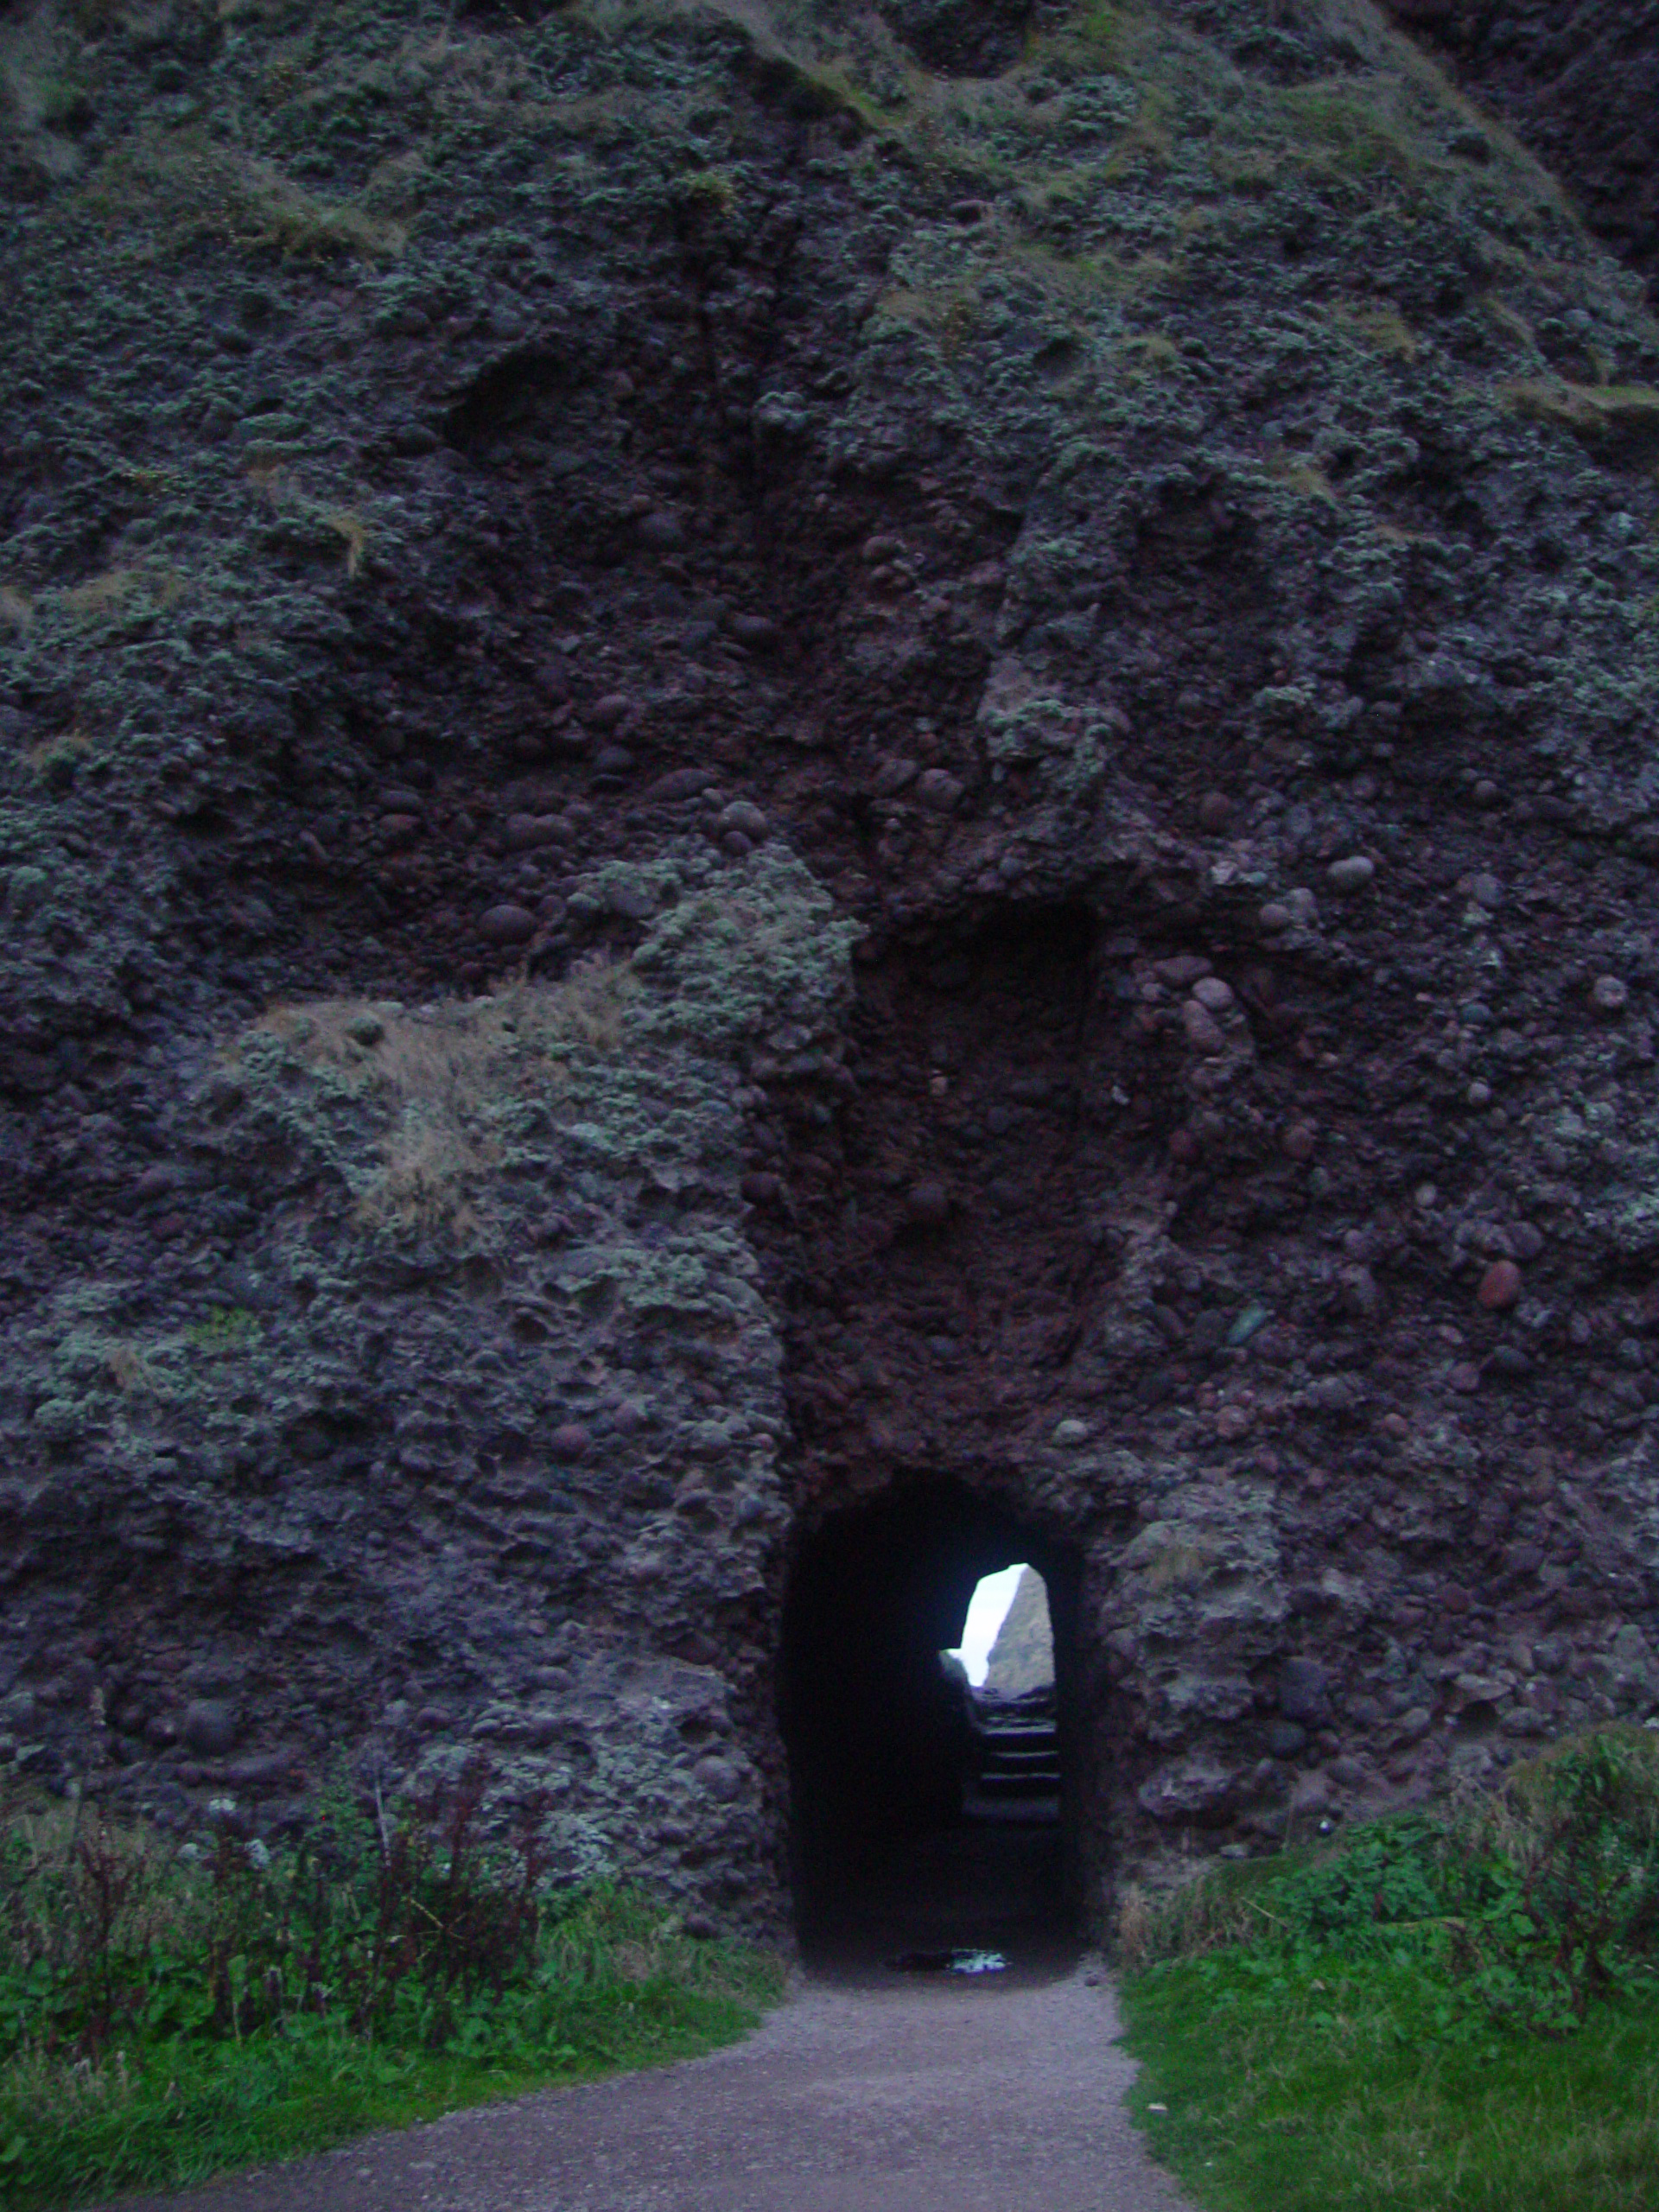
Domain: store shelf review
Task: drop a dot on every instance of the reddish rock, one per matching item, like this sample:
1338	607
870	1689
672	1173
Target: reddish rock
569	1440
1300	1141
1500	1287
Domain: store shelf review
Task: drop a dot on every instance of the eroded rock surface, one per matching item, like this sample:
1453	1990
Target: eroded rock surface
737	769
1580	85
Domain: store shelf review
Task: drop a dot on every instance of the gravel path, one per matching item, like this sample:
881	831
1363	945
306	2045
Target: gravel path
920	2095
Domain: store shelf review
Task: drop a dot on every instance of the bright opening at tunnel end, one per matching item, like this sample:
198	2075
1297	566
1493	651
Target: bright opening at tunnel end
986	1611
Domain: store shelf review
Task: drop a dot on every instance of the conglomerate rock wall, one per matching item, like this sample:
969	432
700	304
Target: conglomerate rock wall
754	755
1579	80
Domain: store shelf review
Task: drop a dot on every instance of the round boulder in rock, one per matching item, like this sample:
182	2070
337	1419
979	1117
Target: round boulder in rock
1304	1692
207	1728
938	790
744	815
506	925
719	1778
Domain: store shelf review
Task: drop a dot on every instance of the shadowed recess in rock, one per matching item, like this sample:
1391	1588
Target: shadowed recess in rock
906	1819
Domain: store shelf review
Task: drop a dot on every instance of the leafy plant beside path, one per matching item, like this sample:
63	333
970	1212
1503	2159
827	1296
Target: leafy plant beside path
165	2013
1447	2013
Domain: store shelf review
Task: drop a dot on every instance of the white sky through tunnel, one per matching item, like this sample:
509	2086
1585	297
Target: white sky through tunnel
986	1610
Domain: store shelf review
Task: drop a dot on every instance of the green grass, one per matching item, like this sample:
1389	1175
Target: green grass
176	2113
1457	2014
165	2017
1329	2092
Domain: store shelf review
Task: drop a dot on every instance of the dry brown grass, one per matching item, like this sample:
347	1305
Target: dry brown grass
1603	415
1300	473
1377	324
129	1370
187	185
101	596
442	1067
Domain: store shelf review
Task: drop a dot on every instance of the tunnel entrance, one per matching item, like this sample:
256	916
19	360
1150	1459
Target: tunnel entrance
927	1816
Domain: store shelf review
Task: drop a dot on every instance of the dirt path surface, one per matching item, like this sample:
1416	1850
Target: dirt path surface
977	2096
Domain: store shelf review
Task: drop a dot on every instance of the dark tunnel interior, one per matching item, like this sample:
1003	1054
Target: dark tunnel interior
890	1843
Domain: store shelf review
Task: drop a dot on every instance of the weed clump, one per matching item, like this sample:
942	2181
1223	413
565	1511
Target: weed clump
1454	2009
168	2009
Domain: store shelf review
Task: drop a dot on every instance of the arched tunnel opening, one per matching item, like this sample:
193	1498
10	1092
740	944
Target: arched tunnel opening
912	1831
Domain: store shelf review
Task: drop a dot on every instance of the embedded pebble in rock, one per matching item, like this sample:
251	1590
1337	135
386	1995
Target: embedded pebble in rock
743	816
662	530
1203	1033
1213	994
1300	1141
681	783
506	925
1352	874
569	1440
929	1204
209	1728
635	902
1182	969
939	791
1486	891
1500	1287
1214	813
607	713
1610	994
527	832
893	775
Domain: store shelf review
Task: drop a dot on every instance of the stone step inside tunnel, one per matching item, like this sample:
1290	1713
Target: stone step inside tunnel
924	1813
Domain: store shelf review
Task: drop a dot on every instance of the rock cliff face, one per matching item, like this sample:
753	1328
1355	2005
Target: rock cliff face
1022	1658
766	768
1578	81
